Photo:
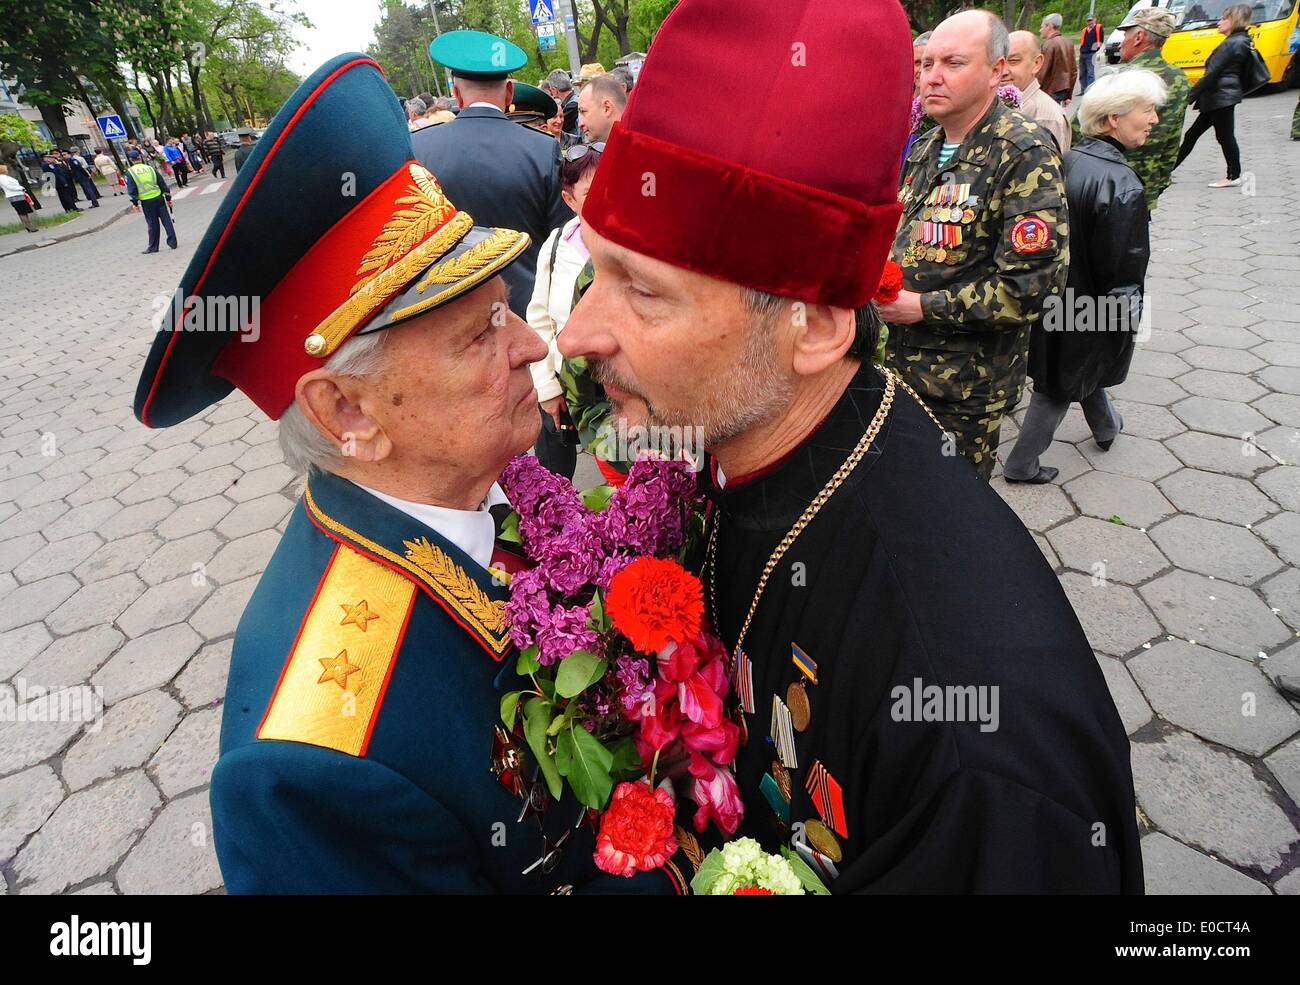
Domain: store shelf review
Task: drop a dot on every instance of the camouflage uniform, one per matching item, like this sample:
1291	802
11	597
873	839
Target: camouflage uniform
1154	161
1001	249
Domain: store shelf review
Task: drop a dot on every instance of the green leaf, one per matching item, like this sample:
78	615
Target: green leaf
710	869
597	497
509	707
548	688
804	871
527	662
588	766
537	716
598	620
627	761
562	719
578	671
510	530
1117	519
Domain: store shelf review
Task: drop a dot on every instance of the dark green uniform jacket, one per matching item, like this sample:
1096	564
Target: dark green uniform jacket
357	739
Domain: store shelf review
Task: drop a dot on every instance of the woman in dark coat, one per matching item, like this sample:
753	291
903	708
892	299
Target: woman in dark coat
1219	91
1084	341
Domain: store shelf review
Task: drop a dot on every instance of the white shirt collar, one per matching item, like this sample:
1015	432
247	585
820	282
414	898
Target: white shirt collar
473	531
488	105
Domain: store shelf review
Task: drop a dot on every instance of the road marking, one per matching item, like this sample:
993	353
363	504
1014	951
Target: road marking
181	193
215	186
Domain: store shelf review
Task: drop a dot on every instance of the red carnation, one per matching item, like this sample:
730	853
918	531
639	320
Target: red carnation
891	282
655	602
753	891
636	831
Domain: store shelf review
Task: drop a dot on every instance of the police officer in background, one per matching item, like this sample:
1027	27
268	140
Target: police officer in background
501	174
981	242
150	195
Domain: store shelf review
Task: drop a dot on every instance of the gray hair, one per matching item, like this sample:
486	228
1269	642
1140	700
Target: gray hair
416	106
1117	94
300	440
559	81
866	321
444	103
921	39
1054	20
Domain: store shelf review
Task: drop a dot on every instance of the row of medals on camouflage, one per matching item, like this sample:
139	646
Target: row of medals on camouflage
937	234
817	840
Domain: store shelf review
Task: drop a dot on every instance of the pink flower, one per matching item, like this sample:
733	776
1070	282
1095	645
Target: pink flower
636	830
717	799
700	703
719	741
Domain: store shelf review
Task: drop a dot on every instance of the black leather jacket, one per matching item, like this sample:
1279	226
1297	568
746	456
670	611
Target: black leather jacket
1089	342
1221	86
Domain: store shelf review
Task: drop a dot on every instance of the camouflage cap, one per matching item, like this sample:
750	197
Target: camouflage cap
1154	20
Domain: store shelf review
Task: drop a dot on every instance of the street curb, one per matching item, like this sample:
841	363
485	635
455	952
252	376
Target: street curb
99	223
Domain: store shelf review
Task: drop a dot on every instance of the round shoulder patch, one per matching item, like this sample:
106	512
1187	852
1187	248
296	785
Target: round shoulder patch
1030	235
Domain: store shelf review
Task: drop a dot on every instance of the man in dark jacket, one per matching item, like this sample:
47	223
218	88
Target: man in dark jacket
500	173
54	165
1059	72
1085	340
1089	45
216	152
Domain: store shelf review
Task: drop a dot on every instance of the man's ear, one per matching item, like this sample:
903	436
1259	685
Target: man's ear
822	336
336	407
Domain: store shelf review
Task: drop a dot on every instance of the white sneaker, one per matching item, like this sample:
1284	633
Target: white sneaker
1225	183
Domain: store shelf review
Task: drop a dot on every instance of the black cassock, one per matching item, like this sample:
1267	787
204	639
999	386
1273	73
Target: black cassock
916	575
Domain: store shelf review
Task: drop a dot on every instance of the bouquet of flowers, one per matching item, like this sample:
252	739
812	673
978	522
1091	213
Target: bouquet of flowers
742	868
611	631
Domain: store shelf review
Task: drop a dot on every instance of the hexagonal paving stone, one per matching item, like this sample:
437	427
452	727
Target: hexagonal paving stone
151	486
1133	709
1105	495
99	603
194	517
1107	550
19	645
32	521
1220	698
72	659
1210	547
117	557
1113	617
1140	458
1281	444
1225	316
1215	496
82	519
147	662
57	558
205	484
1148	420
172	858
14	552
1283	379
1221	359
1212	453
1148	390
167	458
1038	506
132	730
52	489
263	455
1225	417
30	736
87	834
1173	869
1283	595
262	513
220	614
1149	362
1281	407
216	456
1208	798
1284	764
243	557
26	800
139	518
1283	534
261	482
1221	386
36	600
203	681
1214	613
187	556
162	605
186	759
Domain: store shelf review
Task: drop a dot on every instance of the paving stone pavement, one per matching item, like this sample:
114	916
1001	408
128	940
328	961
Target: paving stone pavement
126	555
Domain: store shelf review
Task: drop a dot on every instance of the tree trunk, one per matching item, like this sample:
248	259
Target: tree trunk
52	116
85	98
204	119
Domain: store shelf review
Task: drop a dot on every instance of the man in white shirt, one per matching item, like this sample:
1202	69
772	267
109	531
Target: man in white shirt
1023	63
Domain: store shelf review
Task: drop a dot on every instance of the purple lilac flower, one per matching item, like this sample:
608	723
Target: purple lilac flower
1009	96
566	631
528	484
645	514
529	607
633	675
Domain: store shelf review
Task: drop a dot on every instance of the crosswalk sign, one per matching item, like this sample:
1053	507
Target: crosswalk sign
542	11
111	124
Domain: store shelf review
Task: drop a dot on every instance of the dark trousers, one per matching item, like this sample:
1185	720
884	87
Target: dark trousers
155	210
1222	121
1087	74
218	166
553	452
88	187
182	173
1045	416
67	197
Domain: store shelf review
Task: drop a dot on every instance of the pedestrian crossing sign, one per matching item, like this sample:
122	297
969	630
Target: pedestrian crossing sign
111	124
542	11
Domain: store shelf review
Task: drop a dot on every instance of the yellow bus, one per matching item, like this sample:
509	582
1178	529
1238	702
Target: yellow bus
1272	22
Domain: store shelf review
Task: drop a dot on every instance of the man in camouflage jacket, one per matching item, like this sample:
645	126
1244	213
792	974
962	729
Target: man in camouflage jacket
982	241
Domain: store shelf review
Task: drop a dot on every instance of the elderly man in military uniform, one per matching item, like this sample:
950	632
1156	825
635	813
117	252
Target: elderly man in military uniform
982	240
360	747
504	175
1144	35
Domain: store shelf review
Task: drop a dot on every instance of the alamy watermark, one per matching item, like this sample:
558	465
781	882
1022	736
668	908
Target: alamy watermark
234	313
25	702
921	702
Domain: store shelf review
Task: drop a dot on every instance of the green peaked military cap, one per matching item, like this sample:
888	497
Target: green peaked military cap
477	55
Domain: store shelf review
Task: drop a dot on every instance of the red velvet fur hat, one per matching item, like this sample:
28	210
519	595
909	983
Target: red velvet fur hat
762	144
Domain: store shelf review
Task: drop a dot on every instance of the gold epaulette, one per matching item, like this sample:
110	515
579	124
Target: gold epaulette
333	682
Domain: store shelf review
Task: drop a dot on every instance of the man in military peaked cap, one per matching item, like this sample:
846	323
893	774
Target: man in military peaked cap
352	301
505	175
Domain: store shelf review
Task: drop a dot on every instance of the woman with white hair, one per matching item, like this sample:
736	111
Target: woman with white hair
1084	341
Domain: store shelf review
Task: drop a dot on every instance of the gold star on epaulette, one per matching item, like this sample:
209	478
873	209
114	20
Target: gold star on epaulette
337	669
358	615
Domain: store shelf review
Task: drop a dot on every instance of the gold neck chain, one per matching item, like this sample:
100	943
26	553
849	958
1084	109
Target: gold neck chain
842	473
